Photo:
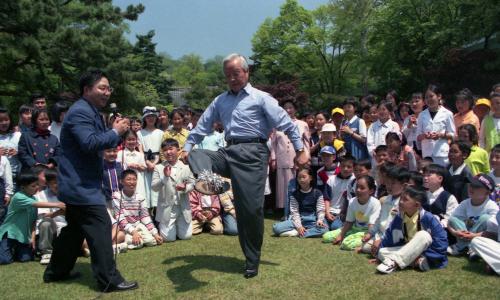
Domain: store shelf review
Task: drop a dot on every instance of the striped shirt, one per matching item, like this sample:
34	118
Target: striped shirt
132	211
294	205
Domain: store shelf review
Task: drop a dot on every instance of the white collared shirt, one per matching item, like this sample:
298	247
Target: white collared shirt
442	122
377	132
458	170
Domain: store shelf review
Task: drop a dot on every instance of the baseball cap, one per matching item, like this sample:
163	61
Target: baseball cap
483	181
328	150
329	127
149	110
483	101
337	110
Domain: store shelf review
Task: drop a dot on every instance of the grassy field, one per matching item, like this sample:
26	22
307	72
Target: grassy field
210	267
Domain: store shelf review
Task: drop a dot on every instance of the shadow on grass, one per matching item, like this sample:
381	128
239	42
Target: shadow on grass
478	267
87	278
182	276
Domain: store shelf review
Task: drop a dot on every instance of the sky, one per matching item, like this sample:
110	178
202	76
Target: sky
205	27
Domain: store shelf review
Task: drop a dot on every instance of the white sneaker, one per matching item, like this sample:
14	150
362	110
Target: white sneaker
120	248
45	259
453	250
387	267
290	233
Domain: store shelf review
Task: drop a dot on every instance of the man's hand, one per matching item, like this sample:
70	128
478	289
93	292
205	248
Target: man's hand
302	158
121	125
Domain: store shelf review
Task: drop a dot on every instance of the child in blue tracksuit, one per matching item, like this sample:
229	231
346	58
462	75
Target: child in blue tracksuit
414	238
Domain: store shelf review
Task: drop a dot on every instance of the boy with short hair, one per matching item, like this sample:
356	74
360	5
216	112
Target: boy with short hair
132	214
414	238
50	220
470	218
336	191
173	179
441	202
16	235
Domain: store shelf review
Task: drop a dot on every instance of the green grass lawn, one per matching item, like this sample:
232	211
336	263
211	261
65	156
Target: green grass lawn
210	267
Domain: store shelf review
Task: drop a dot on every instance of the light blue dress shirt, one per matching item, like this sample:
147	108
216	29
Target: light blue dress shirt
250	113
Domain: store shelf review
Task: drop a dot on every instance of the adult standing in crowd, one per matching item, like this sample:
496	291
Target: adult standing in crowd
248	116
83	138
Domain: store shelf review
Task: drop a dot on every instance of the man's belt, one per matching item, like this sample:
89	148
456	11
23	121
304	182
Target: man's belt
236	141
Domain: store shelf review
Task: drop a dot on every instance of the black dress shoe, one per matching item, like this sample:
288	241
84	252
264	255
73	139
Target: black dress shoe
251	273
124	286
70	276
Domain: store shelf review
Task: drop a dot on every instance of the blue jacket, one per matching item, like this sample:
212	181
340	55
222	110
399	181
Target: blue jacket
436	253
83	137
35	148
106	182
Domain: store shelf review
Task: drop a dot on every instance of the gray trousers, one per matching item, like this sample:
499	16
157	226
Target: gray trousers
47	233
246	165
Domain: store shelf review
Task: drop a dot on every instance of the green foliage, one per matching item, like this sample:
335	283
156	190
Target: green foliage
46	45
358	46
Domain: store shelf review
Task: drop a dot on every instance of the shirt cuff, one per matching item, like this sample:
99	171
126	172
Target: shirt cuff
298	145
116	131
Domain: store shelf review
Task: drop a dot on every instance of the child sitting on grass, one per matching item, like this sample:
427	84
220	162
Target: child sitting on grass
362	212
205	210
414	238
50	220
132	214
397	179
336	192
470	218
488	249
16	233
307	210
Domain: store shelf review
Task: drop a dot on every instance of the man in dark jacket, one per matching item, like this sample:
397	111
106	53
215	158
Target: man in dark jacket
83	138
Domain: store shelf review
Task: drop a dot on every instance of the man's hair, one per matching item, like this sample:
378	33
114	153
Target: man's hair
25	108
26	178
347	158
128	172
417	178
241	58
170	143
89	78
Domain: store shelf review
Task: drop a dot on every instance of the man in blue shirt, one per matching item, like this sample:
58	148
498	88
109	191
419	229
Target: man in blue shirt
83	139
248	116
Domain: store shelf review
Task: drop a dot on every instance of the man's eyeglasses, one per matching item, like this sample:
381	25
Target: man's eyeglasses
105	88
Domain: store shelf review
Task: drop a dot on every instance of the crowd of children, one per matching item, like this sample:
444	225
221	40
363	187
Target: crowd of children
408	183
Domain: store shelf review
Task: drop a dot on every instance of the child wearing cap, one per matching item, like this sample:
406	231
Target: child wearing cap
150	138
329	138
378	130
337	116
489	134
482	108
470	218
336	188
329	169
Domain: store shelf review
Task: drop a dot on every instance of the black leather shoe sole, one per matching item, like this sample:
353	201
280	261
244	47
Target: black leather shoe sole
70	276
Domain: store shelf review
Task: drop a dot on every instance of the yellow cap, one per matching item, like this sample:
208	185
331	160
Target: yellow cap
337	110
483	101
